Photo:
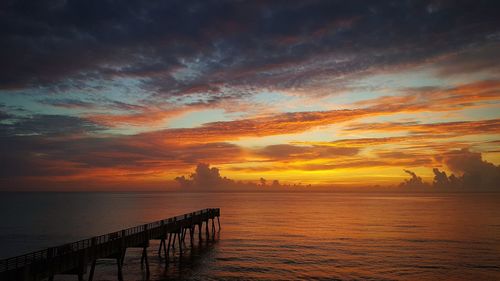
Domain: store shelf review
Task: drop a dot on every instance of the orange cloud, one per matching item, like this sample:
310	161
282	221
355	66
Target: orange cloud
448	128
437	99
296	122
284	152
153	154
285	123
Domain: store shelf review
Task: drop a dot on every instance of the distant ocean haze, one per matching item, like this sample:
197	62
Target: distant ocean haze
277	236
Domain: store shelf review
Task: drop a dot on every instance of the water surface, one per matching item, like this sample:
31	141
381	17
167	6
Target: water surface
277	236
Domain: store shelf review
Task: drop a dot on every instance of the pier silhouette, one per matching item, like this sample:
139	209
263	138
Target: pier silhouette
75	258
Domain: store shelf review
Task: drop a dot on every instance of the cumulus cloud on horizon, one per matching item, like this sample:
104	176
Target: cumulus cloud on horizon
206	178
469	173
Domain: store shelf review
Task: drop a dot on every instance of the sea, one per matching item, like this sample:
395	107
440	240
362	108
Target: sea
275	236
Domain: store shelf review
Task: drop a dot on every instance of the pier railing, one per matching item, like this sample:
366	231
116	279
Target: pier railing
104	245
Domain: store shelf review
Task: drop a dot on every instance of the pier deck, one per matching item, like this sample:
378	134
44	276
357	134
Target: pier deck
74	258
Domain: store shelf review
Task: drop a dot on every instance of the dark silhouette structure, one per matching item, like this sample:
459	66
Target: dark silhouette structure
74	258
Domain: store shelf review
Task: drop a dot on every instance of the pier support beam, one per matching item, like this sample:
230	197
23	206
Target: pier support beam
180	241
92	270
162	245
199	231
119	263
169	243
165	251
191	233
173	241
184	230
144	260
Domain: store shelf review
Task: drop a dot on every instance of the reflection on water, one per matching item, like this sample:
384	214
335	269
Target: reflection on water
186	265
273	236
179	267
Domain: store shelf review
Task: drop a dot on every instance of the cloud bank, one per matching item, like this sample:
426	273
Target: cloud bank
100	92
206	178
473	174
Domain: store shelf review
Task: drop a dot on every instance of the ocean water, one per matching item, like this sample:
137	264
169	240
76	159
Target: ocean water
277	236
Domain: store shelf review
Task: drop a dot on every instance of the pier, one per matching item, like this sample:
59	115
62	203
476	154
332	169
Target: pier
75	258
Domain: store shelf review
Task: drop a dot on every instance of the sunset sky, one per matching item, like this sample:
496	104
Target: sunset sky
128	95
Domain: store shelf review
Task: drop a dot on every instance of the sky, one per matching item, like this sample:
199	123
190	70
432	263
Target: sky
133	95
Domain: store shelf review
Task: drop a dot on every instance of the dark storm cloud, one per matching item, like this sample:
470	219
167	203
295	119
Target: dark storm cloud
475	172
68	103
48	125
124	152
97	103
3	114
475	60
469	173
413	182
174	45
38	145
31	156
51	152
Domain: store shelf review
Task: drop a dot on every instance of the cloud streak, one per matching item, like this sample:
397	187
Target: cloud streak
448	128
